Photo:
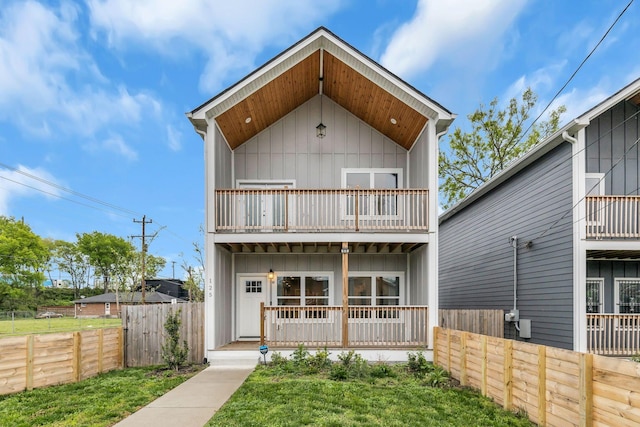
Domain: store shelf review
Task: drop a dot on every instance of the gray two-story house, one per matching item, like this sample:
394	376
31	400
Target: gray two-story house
321	203
554	239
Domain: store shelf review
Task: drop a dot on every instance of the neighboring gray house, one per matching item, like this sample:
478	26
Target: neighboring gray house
567	213
321	203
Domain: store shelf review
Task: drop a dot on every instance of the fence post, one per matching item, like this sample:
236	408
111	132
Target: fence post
435	345
483	368
586	389
463	359
29	370
449	350
508	374
100	349
542	385
77	357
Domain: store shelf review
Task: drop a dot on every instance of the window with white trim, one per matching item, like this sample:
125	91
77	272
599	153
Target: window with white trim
627	293
594	186
377	289
595	295
307	289
372	205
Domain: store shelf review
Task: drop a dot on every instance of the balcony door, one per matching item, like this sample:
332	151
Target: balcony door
263	210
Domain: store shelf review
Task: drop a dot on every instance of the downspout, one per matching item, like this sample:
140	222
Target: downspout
514	317
568	138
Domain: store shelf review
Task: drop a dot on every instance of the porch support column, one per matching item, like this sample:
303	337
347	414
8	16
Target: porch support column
345	294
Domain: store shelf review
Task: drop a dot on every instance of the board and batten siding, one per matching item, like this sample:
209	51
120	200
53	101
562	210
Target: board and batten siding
223	297
476	257
223	173
608	137
289	149
262	263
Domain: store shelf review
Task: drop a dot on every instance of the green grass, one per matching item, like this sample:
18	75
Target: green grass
62	324
289	395
99	401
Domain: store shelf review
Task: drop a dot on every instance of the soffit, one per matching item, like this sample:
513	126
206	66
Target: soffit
354	90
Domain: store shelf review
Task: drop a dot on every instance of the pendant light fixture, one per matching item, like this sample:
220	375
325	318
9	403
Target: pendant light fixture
321	129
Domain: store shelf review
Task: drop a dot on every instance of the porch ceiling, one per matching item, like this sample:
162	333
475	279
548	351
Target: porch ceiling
593	255
340	82
321	247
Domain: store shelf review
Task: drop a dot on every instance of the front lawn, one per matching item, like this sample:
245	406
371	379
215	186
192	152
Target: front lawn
61	324
99	401
308	391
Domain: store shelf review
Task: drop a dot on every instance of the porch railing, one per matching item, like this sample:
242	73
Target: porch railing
613	334
613	217
367	326
284	210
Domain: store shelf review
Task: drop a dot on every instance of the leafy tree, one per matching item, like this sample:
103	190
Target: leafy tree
108	254
497	138
133	271
23	254
69	259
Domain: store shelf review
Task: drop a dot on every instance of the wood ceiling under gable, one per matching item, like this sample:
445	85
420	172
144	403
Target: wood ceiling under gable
341	83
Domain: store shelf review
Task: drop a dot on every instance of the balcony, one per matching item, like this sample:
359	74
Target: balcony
336	210
612	217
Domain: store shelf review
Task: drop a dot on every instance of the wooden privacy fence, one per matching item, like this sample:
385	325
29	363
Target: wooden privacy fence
485	322
32	361
144	332
555	387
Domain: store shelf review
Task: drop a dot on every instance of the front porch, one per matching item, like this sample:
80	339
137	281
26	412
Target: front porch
355	327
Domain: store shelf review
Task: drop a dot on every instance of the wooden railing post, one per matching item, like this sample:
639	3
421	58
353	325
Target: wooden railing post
262	323
345	294
357	204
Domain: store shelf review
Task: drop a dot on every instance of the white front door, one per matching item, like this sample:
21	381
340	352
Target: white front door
252	290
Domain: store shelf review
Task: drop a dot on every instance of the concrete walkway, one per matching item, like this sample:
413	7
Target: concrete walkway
193	402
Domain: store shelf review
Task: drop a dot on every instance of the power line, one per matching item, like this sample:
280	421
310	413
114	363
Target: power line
60	187
578	69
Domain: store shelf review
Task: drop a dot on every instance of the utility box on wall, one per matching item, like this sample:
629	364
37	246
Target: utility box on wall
525	328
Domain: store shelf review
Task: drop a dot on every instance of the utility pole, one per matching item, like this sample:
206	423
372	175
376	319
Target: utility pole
144	222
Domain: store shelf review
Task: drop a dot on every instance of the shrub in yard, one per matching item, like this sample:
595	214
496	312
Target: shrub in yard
173	354
636	357
320	360
354	364
418	364
278	359
438	377
300	357
382	370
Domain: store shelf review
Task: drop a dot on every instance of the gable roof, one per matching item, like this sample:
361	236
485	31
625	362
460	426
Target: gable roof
321	63
129	297
630	93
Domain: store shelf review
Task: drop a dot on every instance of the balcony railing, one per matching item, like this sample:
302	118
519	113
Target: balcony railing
285	210
367	326
613	334
613	217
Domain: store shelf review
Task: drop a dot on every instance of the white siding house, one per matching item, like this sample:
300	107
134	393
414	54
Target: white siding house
321	203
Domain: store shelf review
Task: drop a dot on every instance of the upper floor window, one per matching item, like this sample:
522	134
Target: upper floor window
594	184
375	203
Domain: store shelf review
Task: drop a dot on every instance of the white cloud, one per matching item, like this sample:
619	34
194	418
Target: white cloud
116	144
21	183
230	33
174	137
540	81
49	84
464	31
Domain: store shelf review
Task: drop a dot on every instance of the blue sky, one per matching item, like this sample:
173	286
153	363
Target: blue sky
93	93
